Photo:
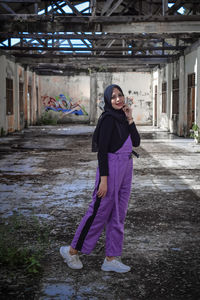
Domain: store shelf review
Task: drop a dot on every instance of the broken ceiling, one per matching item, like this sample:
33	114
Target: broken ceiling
65	37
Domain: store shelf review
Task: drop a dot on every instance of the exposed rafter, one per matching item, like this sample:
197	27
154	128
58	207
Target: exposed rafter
107	48
175	7
130	34
111	8
7	7
138	24
73	8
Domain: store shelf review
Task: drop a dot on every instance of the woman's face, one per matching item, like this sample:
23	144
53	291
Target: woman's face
117	99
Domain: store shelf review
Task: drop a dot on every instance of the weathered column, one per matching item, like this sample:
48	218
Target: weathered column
34	102
16	97
197	110
154	89
159	99
169	96
164	6
93	98
39	97
25	96
182	98
3	120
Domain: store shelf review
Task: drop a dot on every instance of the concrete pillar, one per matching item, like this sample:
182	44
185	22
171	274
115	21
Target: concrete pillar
93	98
169	96
34	100
3	121
30	83
159	99
16	99
164	6
154	83
39	98
152	97
182	98
197	120
26	97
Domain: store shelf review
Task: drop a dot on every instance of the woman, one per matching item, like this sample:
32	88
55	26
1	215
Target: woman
113	138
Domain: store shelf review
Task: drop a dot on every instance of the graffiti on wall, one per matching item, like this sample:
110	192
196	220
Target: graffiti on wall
64	104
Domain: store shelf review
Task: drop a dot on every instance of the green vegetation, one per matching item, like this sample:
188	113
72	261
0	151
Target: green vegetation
195	133
49	118
23	242
2	132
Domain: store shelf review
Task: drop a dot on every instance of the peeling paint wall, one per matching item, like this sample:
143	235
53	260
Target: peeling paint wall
88	90
3	121
19	118
137	90
186	65
67	95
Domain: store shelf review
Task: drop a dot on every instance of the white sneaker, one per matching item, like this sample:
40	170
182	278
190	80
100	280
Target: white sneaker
73	261
114	265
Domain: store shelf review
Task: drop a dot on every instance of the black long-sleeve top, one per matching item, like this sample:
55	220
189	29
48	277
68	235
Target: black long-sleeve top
110	140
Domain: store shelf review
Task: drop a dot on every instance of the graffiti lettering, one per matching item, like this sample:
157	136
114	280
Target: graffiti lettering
63	104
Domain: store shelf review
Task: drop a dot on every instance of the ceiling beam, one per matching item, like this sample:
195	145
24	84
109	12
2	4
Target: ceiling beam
115	6
141	61
21	1
164	6
59	8
101	37
106	6
87	57
174	8
112	24
93	4
106	48
154	27
73	8
8	8
98	19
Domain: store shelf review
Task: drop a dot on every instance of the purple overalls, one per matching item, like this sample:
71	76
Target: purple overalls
109	211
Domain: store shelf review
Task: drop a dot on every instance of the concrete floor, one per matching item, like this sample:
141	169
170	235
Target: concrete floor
50	172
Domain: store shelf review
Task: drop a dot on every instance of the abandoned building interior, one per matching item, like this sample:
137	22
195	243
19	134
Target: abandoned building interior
57	57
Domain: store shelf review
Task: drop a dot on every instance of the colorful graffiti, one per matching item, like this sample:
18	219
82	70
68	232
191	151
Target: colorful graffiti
63	104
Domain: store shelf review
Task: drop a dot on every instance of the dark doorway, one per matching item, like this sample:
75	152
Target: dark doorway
191	101
21	104
155	106
29	108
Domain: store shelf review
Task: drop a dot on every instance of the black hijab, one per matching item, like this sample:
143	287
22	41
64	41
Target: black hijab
118	115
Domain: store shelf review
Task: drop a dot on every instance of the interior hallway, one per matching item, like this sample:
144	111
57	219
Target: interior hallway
50	172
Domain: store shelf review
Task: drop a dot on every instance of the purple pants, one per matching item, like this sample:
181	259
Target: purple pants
110	211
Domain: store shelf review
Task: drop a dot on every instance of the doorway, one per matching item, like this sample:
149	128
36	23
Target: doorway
155	106
21	104
191	101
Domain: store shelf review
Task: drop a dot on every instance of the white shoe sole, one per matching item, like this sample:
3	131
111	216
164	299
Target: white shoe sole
107	269
62	253
65	260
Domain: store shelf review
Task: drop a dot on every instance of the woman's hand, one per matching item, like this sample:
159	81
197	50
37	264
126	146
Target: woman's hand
128	112
102	191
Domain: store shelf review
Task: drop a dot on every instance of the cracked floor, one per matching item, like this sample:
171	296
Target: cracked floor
49	172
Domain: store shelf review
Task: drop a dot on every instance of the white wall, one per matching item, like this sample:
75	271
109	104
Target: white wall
190	63
10	69
136	87
198	88
9	123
